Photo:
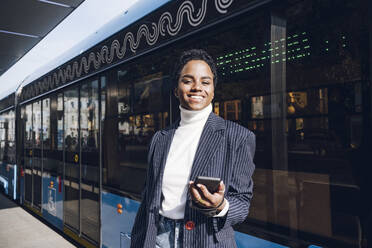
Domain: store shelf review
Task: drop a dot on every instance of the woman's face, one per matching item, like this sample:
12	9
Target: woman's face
195	89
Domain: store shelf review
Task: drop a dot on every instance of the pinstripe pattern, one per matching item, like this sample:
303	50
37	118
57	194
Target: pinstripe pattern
225	150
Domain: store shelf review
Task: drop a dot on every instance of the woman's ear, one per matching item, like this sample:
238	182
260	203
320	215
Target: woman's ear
175	92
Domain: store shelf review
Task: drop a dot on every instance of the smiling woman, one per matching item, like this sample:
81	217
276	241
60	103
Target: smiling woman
195	89
191	141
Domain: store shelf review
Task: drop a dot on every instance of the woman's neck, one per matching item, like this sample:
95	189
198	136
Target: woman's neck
194	116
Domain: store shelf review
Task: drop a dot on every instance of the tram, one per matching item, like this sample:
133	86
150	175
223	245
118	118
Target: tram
74	136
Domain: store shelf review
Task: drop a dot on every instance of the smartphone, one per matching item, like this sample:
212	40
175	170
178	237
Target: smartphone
210	182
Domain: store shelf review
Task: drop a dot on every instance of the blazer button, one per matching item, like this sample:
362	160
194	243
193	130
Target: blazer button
190	225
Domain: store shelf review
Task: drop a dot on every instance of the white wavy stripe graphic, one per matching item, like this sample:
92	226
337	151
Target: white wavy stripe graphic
165	17
222	5
164	26
150	38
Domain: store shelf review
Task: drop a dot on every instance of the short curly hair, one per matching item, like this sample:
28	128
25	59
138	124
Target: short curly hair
193	54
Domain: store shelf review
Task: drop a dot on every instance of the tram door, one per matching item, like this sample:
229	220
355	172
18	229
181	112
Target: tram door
89	133
81	204
32	159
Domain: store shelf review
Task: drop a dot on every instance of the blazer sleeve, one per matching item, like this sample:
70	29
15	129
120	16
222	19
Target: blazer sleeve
139	229
240	189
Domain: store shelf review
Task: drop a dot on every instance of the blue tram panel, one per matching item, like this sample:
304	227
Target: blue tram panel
117	227
53	200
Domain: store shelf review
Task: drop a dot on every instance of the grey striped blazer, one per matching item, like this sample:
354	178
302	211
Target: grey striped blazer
225	150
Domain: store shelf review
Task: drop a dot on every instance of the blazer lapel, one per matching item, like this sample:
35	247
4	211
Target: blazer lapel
209	142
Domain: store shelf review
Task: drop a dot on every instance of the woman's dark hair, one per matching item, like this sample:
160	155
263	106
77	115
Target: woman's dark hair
193	54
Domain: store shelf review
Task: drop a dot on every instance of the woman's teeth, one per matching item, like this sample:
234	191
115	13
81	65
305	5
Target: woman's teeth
197	97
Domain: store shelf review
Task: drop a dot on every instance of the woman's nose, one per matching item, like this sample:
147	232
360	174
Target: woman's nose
196	86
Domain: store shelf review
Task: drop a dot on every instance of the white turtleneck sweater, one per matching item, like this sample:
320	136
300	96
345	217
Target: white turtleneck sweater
179	162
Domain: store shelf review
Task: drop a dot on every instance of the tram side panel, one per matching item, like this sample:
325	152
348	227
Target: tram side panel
53	200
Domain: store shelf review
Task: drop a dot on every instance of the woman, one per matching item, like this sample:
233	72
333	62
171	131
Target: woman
174	211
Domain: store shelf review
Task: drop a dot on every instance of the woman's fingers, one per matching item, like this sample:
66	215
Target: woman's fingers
202	196
198	196
194	192
221	189
204	191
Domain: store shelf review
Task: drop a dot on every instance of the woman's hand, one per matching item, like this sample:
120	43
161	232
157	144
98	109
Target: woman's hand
201	196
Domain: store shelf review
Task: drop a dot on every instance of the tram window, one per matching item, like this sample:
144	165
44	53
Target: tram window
46	123
71	114
36	123
103	97
141	109
148	93
89	116
12	126
60	122
11	153
28	126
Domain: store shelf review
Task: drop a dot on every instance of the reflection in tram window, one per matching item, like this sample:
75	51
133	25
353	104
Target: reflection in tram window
60	122
89	114
46	123
232	110
103	98
71	115
52	156
141	103
257	107
147	93
27	117
36	122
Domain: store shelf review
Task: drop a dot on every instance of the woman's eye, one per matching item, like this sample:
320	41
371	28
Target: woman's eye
206	83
